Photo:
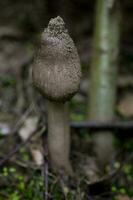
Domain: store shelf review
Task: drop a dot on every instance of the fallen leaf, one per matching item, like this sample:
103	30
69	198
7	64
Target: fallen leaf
37	156
28	128
5	129
124	81
121	197
125	106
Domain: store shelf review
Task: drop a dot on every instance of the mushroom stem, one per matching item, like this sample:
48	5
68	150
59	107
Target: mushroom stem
59	136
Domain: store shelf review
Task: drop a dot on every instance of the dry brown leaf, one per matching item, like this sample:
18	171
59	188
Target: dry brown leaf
28	128
5	129
125	106
88	167
121	197
37	156
124	81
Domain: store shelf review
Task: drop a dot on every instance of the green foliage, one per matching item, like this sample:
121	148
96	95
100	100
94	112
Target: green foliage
15	196
20	187
78	110
7	81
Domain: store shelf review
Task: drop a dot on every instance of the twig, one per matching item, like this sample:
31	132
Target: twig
16	149
18	124
122	125
45	168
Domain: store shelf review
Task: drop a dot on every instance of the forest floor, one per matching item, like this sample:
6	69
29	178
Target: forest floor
23	140
23	175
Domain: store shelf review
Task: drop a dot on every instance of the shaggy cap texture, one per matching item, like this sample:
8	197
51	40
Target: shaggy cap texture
56	68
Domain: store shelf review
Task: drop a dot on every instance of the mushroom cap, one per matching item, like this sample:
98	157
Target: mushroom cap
56	68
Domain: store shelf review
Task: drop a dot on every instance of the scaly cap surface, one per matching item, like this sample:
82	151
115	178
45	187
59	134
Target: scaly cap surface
56	68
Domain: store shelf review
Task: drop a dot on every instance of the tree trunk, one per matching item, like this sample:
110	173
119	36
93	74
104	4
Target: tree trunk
103	74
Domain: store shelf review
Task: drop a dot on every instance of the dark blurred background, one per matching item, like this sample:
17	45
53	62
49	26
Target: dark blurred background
31	16
21	23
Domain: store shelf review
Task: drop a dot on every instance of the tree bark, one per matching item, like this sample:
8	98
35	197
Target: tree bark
103	74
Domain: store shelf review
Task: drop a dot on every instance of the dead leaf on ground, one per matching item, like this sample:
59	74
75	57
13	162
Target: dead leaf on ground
125	106
120	197
5	128
88	167
28	128
125	80
37	156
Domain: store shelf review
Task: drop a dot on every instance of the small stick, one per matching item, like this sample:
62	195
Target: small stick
122	125
16	149
45	168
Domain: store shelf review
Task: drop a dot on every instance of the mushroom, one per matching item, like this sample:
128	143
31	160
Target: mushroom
56	74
